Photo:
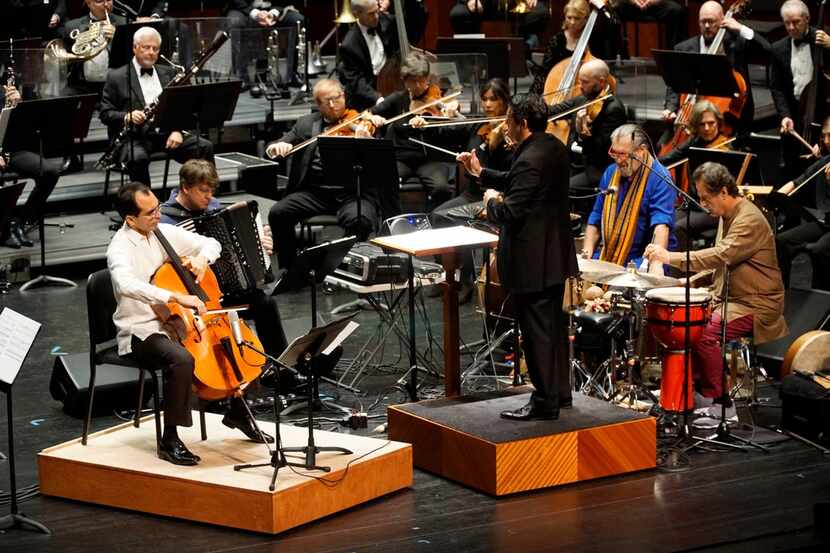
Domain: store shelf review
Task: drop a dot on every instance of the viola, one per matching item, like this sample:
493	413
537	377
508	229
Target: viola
222	368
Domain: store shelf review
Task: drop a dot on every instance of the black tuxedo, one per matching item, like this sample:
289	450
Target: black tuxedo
354	68
307	195
737	50
781	78
536	254
75	77
120	97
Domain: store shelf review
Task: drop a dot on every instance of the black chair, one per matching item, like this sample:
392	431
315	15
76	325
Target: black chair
156	156
100	306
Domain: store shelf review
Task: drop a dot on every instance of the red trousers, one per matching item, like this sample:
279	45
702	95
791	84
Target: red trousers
706	354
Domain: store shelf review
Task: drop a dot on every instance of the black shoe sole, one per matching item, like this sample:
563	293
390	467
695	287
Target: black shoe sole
252	436
189	462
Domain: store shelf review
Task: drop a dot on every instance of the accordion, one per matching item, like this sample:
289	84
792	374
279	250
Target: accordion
243	264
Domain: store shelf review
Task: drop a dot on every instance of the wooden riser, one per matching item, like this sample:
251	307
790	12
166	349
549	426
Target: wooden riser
592	440
119	468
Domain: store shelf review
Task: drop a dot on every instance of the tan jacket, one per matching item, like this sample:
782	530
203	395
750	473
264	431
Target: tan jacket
745	242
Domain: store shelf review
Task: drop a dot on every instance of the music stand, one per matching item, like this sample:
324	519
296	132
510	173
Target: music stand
45	118
505	55
694	73
197	106
370	162
18	333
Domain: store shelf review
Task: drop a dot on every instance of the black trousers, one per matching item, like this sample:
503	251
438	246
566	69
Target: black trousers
668	12
433	176
299	205
582	190
177	364
249	40
809	237
137	156
464	21
544	339
458	211
30	164
265	312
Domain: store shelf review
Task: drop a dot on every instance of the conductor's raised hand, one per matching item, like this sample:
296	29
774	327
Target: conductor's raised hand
470	162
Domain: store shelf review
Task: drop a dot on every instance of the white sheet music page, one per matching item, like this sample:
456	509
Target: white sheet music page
17	333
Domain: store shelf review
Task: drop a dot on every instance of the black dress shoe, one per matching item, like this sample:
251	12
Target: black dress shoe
174	451
465	293
17	231
71	164
247	427
12	242
530	412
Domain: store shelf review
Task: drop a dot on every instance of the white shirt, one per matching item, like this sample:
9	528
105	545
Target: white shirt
375	45
150	84
133	259
745	32
801	64
95	69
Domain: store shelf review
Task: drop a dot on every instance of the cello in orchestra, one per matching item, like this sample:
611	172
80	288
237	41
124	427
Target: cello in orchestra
814	102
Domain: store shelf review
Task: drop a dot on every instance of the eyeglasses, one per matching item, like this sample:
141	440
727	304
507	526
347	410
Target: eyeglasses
332	99
152	213
618	154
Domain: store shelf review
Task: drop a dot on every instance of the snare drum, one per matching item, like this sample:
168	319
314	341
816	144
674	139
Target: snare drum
666	316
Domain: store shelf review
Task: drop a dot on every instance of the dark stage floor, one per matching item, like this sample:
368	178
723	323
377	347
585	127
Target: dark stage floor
733	501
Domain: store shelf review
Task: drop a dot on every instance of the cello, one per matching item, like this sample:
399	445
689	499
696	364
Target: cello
816	89
222	369
560	83
733	106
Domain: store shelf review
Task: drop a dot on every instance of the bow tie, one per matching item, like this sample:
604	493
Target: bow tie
146	71
371	31
801	41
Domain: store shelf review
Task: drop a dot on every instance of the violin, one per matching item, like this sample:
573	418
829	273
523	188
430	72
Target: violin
432	103
493	135
349	123
222	368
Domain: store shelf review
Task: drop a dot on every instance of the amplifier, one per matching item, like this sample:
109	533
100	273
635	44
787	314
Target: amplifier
369	264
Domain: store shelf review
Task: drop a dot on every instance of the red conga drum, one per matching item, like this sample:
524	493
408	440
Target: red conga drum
666	318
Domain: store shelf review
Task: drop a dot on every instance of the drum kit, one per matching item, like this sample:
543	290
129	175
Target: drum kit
651	306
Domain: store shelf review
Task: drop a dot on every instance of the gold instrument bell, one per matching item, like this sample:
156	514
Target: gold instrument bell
346	15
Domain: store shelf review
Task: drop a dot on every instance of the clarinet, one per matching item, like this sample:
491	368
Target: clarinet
107	160
10	83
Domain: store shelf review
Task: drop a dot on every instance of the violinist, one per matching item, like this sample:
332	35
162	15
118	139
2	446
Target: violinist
561	45
810	237
415	163
705	125
133	257
739	43
592	131
792	72
494	151
307	193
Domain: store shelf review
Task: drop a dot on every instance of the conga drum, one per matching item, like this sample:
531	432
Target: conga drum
666	317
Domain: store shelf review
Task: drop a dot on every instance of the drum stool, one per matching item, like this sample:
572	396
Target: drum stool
743	348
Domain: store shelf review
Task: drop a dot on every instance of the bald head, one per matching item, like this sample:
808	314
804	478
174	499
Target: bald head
595	69
709	19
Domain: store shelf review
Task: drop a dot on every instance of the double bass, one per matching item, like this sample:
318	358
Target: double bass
222	368
733	106
560	83
389	77
814	102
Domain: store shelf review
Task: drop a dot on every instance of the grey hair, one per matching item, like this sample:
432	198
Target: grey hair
795	5
324	84
634	132
144	33
362	5
715	176
414	65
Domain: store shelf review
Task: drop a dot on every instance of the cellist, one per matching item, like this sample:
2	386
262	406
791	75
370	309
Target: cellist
739	43
133	257
706	128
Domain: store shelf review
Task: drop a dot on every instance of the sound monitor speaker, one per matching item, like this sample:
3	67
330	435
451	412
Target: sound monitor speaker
804	310
116	387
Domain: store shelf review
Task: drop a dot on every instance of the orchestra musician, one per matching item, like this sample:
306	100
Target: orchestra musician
133	257
791	72
561	45
466	17
811	237
193	198
414	162
364	51
593	135
26	161
669	13
739	43
494	151
308	194
745	247
705	125
633	187
89	77
32	18
124	99
536	252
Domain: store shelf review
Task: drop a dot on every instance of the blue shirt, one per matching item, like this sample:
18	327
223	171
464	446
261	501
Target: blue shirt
657	208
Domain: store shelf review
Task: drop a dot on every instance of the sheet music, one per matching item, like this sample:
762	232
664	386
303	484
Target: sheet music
17	333
345	333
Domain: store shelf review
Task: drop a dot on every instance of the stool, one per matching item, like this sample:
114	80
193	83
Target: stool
743	348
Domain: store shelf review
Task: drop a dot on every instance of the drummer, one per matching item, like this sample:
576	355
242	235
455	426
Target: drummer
635	205
746	245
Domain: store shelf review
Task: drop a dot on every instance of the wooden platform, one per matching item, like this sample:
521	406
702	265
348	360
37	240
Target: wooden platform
465	440
119	468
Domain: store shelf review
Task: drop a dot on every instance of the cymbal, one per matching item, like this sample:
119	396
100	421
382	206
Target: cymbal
638	280
593	269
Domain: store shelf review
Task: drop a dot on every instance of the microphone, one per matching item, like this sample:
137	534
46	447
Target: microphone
670	183
236	329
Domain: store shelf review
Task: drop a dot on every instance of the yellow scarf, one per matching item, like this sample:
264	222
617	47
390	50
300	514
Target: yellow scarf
618	229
